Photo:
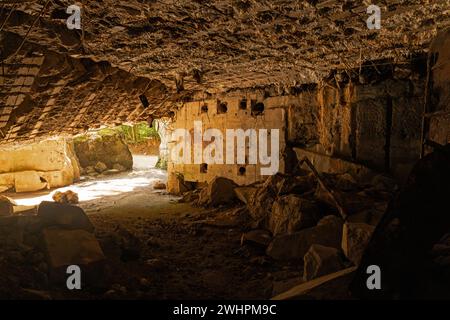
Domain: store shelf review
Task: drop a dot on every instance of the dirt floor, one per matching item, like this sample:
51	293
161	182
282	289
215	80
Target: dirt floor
159	248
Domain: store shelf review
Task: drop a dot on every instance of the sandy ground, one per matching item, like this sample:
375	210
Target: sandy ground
177	251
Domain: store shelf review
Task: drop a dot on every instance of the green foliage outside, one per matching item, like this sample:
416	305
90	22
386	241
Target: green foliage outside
132	134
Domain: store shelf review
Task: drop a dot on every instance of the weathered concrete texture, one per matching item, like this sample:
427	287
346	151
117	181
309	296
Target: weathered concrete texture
107	149
231	113
32	167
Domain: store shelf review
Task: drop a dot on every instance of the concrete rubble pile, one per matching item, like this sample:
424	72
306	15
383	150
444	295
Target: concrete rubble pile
295	218
37	246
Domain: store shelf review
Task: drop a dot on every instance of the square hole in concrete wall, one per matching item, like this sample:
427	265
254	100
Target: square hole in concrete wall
204	168
222	107
243	104
257	108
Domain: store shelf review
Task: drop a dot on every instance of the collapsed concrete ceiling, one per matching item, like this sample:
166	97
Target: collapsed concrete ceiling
170	46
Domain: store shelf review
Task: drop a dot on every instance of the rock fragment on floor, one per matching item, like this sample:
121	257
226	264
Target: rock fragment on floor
292	213
328	232
68	197
321	260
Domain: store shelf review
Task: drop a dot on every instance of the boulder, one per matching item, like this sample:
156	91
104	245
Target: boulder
72	247
221	191
64	215
6	206
355	237
321	260
292	213
109	149
328	232
100	167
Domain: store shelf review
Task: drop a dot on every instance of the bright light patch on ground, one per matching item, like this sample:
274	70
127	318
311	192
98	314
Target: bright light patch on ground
107	186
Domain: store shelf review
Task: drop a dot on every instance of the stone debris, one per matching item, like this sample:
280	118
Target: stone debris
355	237
71	247
292	213
100	167
64	216
67	197
108	150
176	184
220	191
245	193
328	232
45	242
320	261
159	185
259	237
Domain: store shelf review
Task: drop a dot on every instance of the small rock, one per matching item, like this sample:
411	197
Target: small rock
100	167
321	260
159	185
65	197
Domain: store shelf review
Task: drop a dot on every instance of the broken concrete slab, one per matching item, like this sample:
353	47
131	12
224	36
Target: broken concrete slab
63	215
292	213
328	232
321	260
